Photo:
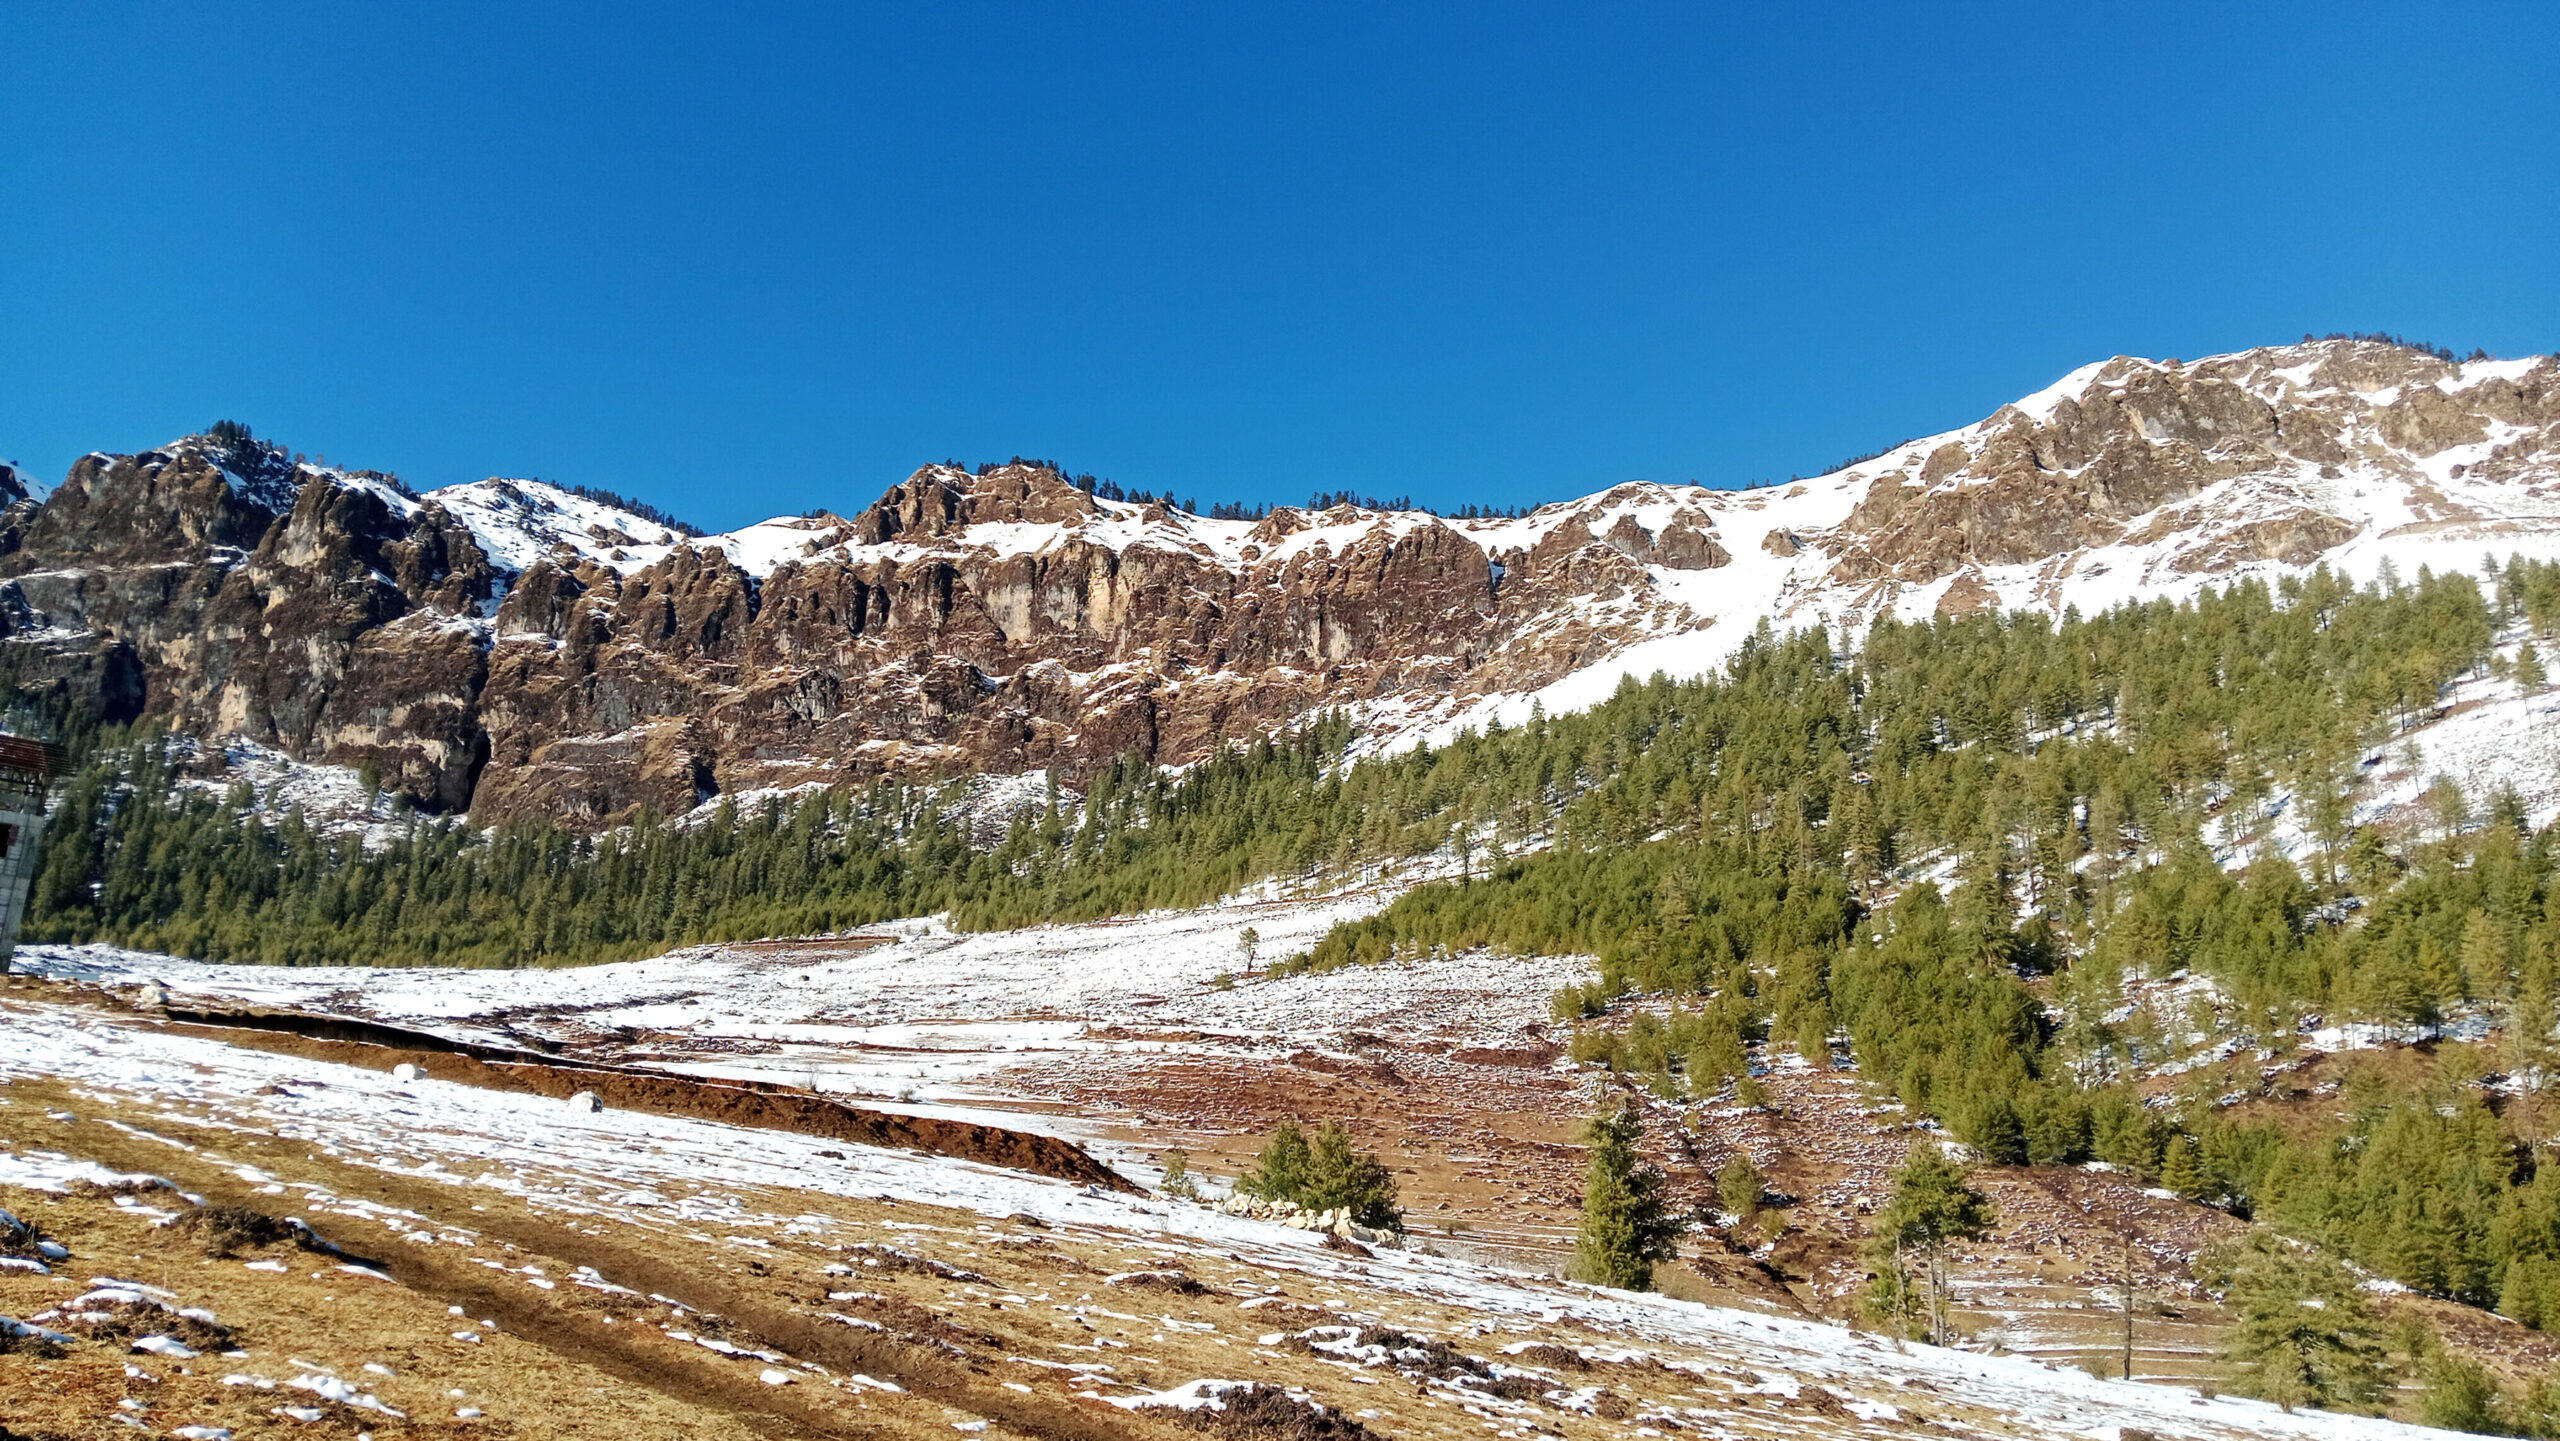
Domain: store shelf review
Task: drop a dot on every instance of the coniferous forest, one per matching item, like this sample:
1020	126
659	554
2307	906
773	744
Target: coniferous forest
1970	853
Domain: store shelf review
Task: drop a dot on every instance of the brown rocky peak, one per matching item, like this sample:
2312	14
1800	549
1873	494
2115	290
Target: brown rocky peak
1668	526
1283	522
941	499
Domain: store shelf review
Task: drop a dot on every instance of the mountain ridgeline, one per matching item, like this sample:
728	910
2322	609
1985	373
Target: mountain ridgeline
519	650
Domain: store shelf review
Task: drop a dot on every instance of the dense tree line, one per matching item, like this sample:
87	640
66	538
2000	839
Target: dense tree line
640	508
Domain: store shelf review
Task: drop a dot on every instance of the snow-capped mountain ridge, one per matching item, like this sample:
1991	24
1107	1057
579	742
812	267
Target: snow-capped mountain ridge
513	647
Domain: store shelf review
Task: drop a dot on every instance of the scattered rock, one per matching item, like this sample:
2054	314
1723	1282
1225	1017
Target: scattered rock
1267	1413
226	1231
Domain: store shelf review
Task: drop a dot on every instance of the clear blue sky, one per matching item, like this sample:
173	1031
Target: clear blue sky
741	259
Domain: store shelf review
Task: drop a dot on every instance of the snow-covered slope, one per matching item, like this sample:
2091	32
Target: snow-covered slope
518	522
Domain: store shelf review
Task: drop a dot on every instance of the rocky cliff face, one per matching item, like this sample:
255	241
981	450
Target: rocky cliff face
2280	455
508	648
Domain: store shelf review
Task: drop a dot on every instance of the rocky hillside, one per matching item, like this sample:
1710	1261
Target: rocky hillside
513	649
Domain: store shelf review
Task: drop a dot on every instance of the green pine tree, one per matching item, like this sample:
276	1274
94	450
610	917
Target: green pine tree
2522	1295
2180	1172
1932	1207
2531	1020
2484	958
1282	1170
1339	1178
1627	1221
1739	1185
2304	1335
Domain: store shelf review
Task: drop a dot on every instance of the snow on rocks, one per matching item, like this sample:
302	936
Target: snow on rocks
16	1329
345	1393
1335	1222
1189	1396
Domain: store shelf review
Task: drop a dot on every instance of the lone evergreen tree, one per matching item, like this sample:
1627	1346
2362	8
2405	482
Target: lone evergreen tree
1324	1175
1339	1178
1931	1207
1738	1185
1627	1225
2304	1337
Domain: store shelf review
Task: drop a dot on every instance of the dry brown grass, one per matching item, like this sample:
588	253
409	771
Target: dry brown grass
1007	1322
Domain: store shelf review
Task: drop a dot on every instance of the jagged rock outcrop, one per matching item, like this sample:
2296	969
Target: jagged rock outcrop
2134	451
513	649
335	629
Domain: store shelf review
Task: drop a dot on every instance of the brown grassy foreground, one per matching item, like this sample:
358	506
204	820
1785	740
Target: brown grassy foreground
454	1305
971	1320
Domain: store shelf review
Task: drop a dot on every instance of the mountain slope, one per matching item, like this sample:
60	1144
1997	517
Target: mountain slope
514	649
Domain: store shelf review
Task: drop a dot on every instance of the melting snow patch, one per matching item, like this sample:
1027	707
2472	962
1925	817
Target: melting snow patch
875	1383
1189	1396
330	1388
12	1326
53	1172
